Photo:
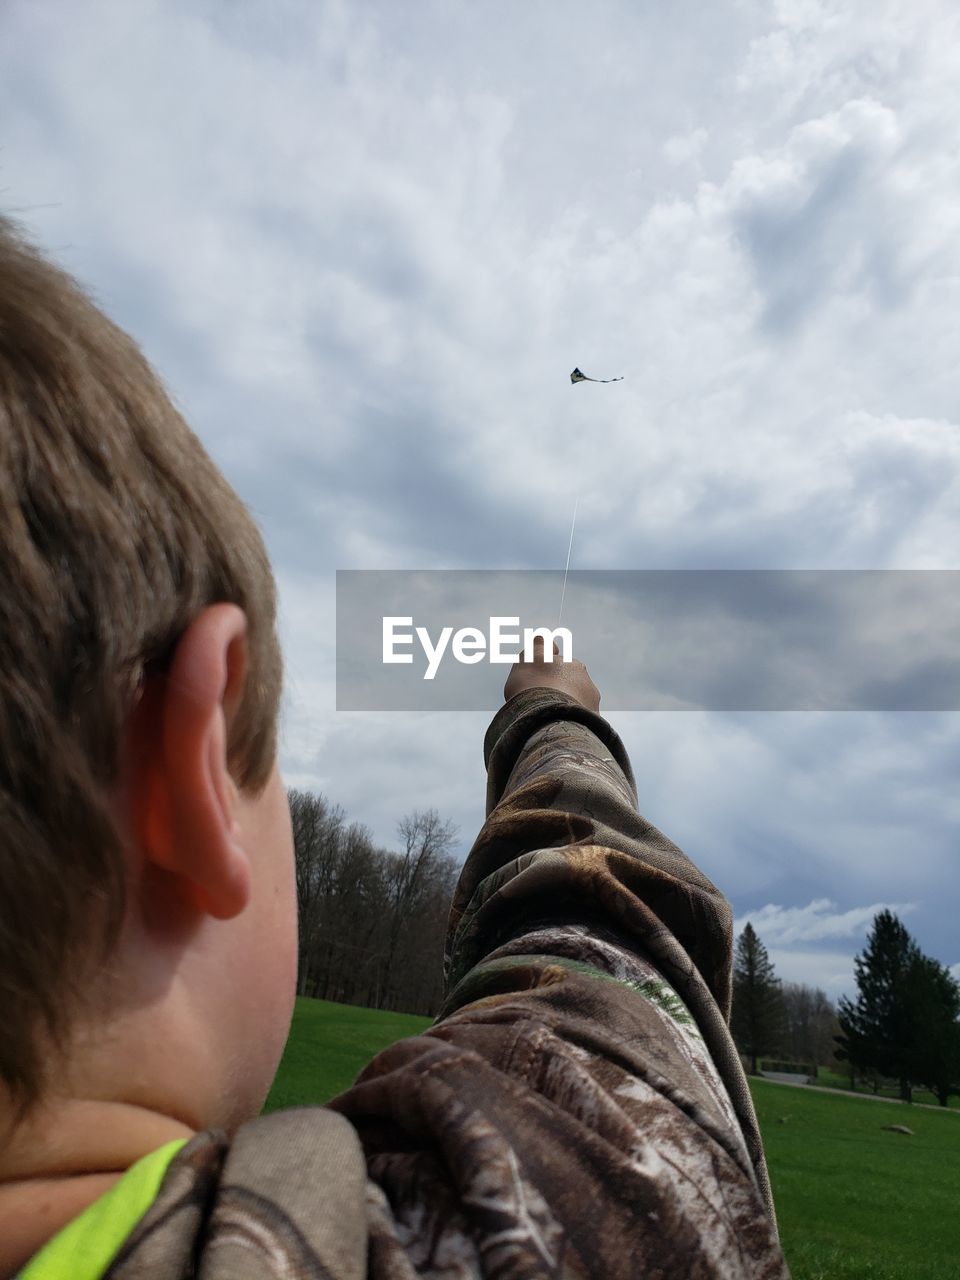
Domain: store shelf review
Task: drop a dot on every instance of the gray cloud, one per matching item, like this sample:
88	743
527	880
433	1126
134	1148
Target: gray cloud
717	640
366	247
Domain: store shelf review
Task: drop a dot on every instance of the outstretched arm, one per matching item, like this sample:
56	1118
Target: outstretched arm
579	1107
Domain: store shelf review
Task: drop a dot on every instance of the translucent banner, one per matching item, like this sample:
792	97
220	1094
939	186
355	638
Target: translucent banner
719	640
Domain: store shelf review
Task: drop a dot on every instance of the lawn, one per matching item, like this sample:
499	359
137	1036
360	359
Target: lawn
854	1202
328	1045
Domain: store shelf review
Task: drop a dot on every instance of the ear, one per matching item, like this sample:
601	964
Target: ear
184	800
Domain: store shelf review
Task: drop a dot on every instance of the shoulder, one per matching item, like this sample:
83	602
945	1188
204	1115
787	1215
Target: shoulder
287	1196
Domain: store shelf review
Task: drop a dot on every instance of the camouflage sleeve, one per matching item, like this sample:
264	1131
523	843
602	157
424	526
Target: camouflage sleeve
578	1109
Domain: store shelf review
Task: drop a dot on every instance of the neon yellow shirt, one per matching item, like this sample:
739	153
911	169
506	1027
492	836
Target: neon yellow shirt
86	1246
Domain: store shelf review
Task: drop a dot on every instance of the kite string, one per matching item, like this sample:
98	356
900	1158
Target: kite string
566	569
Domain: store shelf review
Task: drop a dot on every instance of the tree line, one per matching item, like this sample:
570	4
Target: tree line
903	1026
372	920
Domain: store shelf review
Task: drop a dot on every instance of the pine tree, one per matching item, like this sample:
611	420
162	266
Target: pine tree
933	1043
758	1014
877	1031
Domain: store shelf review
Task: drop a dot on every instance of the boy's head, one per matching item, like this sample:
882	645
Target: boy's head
139	680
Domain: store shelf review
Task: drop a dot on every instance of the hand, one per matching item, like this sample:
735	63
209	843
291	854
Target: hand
571	678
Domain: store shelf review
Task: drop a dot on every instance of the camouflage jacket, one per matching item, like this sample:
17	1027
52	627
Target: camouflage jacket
577	1109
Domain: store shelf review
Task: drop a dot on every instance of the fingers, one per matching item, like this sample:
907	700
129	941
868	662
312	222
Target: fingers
550	671
539	647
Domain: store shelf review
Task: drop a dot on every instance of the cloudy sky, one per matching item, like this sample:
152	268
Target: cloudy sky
365	244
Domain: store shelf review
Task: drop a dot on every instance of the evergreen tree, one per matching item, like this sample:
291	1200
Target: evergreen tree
878	1030
758	1014
933	1043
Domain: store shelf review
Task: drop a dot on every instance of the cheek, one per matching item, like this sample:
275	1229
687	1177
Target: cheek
283	929
286	942
286	893
271	944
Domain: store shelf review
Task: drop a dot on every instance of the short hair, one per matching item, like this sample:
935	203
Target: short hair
116	530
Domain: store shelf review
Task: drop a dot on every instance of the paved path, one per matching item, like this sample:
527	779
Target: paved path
849	1093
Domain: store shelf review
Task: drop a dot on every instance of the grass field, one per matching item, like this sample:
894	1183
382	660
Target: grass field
854	1202
328	1045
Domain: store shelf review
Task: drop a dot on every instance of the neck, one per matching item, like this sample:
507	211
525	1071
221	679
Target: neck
62	1158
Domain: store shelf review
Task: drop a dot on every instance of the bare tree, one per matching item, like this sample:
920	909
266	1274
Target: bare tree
316	839
810	1024
426	843
372	921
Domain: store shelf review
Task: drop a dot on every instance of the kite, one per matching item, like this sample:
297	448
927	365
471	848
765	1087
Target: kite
577	376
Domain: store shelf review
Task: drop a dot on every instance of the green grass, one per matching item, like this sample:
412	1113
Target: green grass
854	1202
328	1045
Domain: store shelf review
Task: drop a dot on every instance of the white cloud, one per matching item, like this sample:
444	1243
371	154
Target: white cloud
831	971
366	245
351	223
684	148
819	920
